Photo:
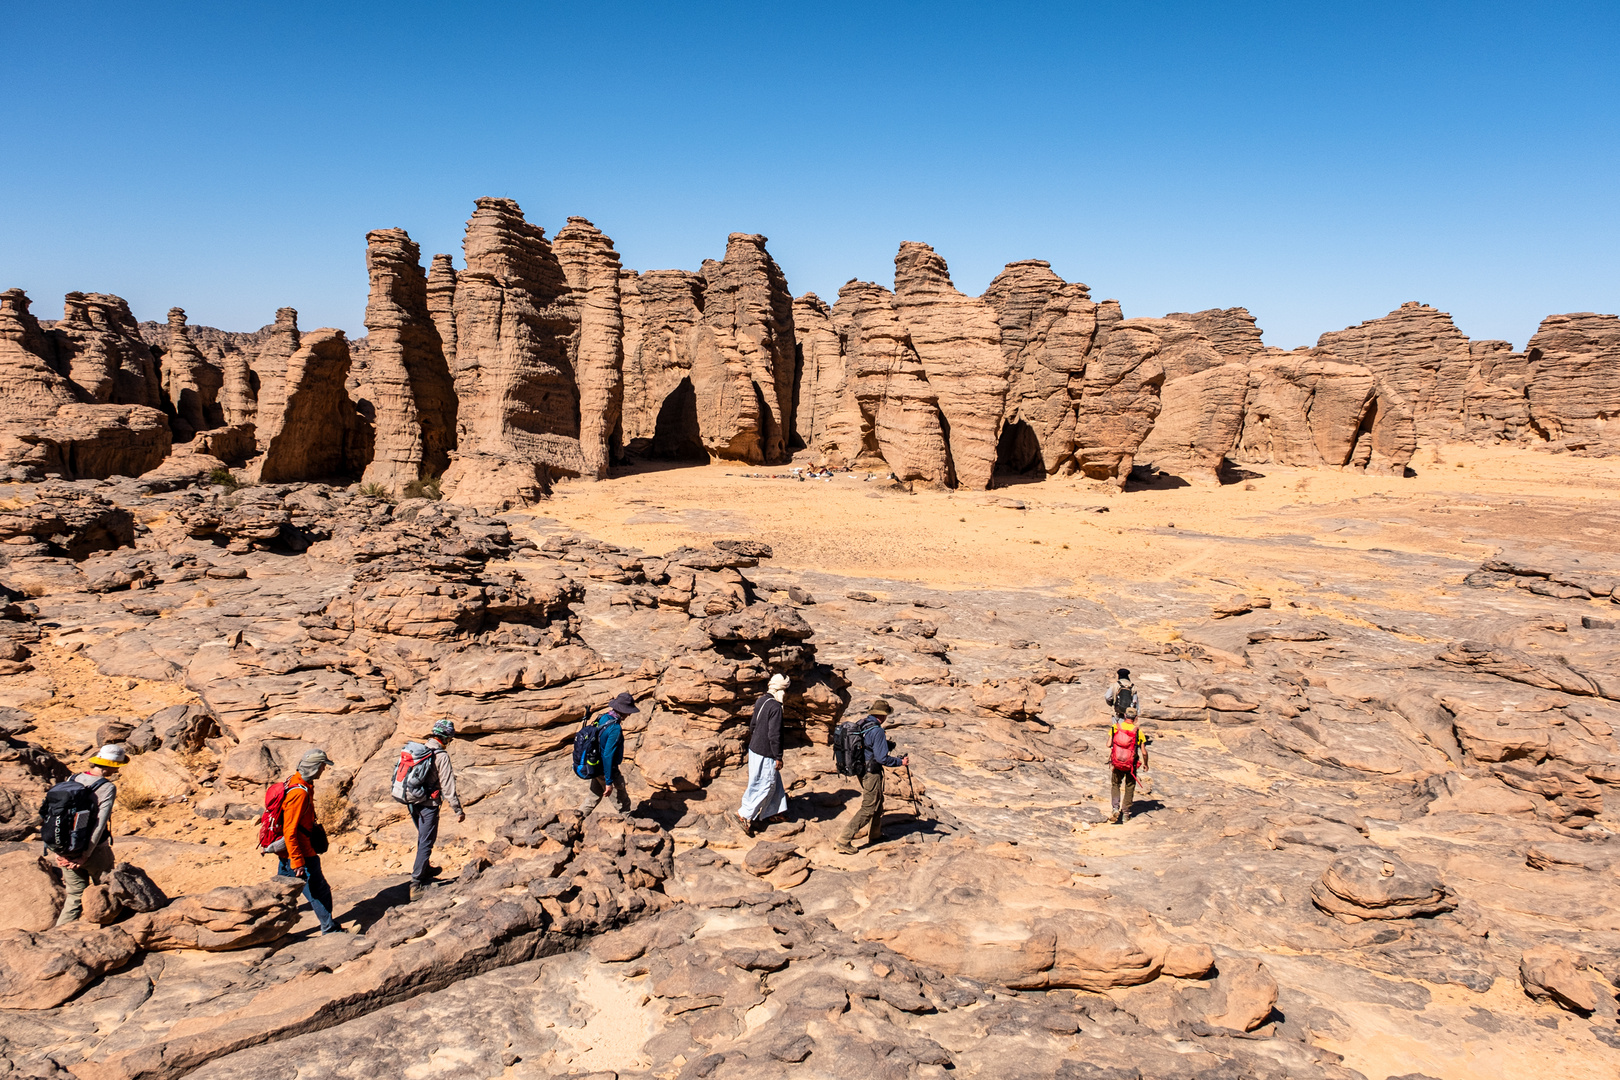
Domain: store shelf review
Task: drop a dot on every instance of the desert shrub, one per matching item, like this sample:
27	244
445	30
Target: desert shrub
333	810
424	489
226	479
134	793
376	491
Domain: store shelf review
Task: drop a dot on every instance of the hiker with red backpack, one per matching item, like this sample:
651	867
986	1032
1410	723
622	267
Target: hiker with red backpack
424	779
1127	752
76	826
303	840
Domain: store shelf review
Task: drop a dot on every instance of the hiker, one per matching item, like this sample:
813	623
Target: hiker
440	787
1121	693
765	797
1127	752
305	838
87	857
876	745
610	733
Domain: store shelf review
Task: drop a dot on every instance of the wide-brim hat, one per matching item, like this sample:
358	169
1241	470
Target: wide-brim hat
624	705
111	756
880	708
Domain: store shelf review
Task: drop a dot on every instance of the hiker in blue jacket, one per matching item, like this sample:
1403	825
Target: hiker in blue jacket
611	736
877	759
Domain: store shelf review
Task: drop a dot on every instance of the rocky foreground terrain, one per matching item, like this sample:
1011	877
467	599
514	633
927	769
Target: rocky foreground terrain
1377	842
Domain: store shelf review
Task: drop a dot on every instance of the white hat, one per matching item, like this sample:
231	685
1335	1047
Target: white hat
111	756
779	681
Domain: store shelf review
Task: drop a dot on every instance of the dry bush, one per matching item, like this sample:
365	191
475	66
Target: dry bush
334	811
134	793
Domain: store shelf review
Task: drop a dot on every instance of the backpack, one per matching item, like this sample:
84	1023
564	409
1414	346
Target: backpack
1122	747
411	776
849	748
270	839
588	750
1124	696
68	816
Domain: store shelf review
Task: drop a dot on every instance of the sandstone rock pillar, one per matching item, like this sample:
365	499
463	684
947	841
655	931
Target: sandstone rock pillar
192	381
319	433
592	268
270	365
412	391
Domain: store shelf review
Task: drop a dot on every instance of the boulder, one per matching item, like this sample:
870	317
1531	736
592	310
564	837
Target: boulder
33	893
1371	883
1573	366
42	970
1551	973
230	917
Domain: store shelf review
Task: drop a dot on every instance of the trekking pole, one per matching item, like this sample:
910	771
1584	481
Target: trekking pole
912	785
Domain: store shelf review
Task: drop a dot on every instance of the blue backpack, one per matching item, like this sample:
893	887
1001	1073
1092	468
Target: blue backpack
588	750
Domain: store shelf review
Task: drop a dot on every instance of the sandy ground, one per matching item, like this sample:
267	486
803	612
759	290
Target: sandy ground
960	539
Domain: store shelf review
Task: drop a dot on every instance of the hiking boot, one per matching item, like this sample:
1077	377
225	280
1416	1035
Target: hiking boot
1113	819
843	848
417	892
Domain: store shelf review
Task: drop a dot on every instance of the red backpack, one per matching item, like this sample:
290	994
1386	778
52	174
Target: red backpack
270	820
1122	747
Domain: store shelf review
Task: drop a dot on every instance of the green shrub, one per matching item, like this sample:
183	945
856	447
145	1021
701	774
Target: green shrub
225	478
377	491
424	489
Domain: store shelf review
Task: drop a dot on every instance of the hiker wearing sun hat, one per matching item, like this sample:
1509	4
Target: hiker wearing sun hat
878	756
76	821
765	797
439	786
610	736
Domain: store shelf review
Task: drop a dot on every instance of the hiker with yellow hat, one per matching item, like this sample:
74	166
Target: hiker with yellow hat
76	825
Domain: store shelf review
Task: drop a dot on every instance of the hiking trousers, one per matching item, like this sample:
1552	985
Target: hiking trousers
425	816
1121	778
621	796
76	879
316	891
871	809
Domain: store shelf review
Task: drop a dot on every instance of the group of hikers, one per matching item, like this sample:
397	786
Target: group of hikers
76	818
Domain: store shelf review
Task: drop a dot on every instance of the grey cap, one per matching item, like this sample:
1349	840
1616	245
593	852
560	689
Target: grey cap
312	763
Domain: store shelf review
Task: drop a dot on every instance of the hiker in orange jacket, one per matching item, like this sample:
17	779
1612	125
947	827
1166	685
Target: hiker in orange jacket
302	833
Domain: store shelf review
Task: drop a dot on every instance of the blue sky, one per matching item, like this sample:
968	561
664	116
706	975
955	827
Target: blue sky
1319	164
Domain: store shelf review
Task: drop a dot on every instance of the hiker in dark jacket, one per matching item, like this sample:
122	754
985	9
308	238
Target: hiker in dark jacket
611	735
765	797
79	874
442	789
878	758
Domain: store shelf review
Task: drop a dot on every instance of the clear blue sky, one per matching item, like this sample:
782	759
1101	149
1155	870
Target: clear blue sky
1316	163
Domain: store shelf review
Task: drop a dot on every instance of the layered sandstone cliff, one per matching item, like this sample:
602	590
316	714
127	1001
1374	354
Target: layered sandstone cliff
1573	368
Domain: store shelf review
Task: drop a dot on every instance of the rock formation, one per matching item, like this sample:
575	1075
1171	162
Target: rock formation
958	340
592	268
99	345
1573	365
518	415
270	367
412	397
318	432
191	381
747	304
30	386
441	302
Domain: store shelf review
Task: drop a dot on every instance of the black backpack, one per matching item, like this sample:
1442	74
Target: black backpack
849	748
588	750
68	817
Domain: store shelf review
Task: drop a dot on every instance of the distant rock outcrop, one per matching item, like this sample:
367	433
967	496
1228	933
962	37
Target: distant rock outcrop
191	381
319	433
1573	364
99	345
592	268
413	399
